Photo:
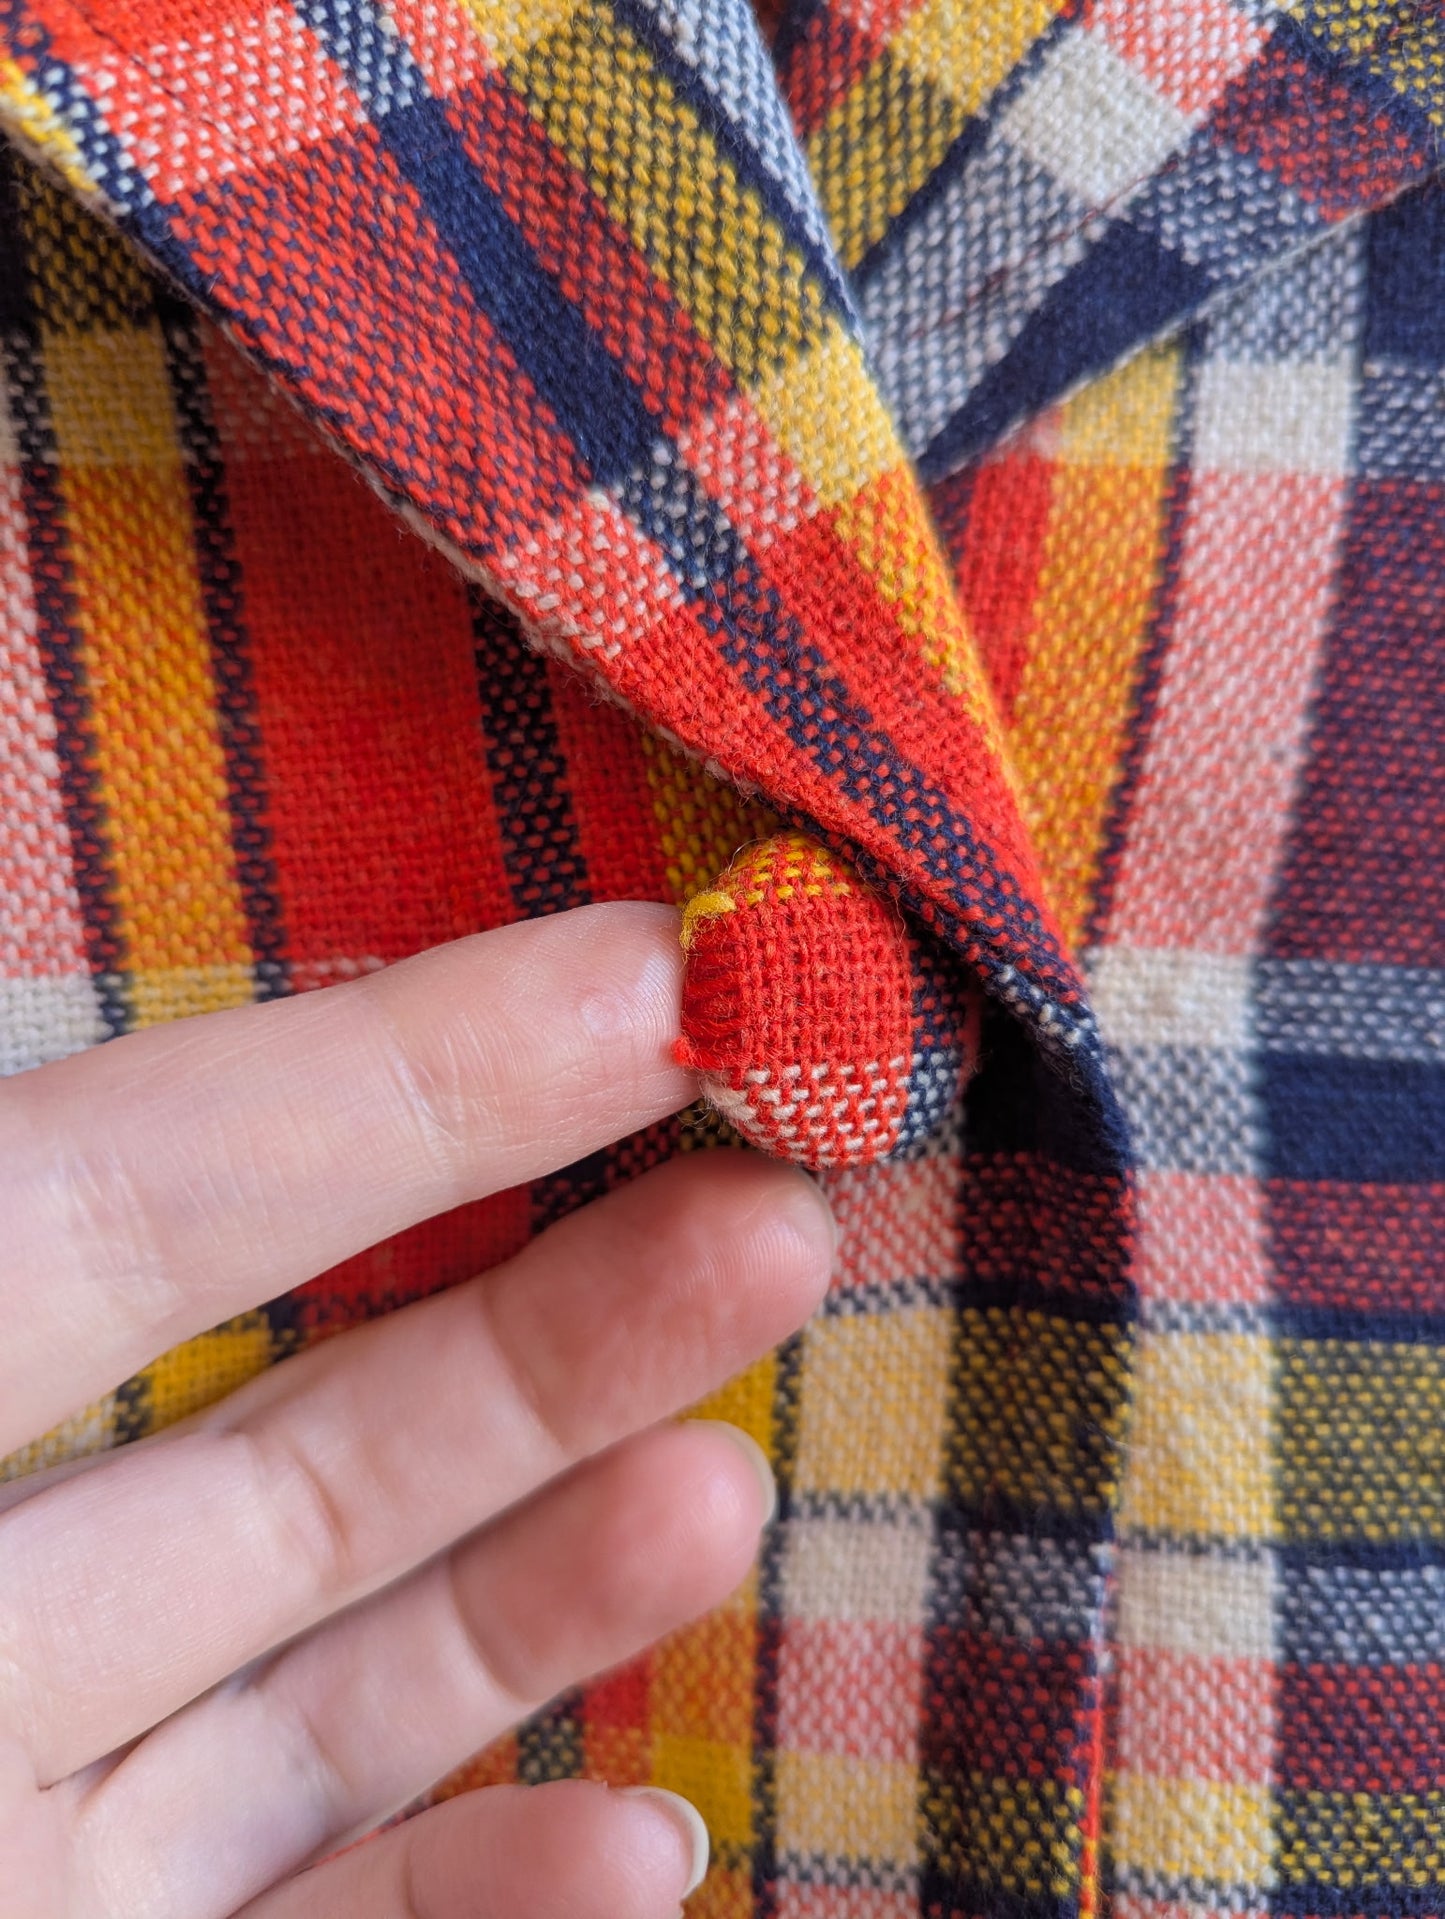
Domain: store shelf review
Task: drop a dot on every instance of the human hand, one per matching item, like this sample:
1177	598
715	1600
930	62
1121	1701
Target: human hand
225	1649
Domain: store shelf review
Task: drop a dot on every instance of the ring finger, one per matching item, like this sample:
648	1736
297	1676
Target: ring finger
132	1589
565	1851
359	1717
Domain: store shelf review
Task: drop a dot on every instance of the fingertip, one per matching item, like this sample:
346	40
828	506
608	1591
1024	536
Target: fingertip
621	979
790	1237
757	1462
684	1829
576	1849
812	1217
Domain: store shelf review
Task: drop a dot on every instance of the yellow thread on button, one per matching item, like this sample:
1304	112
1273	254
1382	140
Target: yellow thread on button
704	906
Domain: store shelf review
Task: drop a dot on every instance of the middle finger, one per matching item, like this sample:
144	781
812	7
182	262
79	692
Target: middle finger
134	1588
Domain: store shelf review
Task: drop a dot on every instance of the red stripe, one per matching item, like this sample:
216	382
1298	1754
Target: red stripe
592	259
711	712
1012	1709
1315	132
833	57
843	615
434	396
995	520
1365	1729
384	837
427	1258
1372	1249
617	827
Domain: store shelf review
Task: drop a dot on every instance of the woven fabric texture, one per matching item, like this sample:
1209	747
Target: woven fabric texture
823	1028
1006	443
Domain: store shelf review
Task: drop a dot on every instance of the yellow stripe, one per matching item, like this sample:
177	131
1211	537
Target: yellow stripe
967	51
91	1430
889	534
206	1369
1199	1438
663	178
1091	621
1349	1839
886	137
702	1731
825	413
160	761
33	121
701	822
1003	1364
1193	1829
874	151
977	1821
838	1806
509	29
717	1778
874	1404
1360	1446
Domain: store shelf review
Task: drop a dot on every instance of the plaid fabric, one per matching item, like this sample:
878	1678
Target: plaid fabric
817	1020
1044	188
1166	693
1234	556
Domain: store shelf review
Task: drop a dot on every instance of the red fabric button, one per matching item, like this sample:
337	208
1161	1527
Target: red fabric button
823	1027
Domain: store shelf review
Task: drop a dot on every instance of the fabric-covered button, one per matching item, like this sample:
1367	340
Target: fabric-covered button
823	1027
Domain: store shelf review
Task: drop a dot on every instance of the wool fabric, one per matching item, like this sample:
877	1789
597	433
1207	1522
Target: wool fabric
820	1025
463	458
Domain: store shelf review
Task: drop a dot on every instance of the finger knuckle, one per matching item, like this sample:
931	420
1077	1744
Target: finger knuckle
311	1527
111	1225
445	1082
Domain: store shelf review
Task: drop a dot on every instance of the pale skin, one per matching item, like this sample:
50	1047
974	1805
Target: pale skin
226	1650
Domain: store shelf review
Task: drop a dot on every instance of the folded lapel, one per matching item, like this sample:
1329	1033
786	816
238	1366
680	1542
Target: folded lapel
555	277
1079	181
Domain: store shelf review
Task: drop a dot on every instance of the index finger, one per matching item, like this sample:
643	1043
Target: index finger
160	1184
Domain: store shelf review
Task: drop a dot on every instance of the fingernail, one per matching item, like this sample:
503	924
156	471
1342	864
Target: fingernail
753	1453
689	1821
825	1205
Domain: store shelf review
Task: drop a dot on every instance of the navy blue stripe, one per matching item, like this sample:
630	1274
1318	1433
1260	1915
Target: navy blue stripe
377	60
1039	1519
58	637
596	404
956	156
1361	1898
1404	299
598	407
1297	1558
223	599
688	85
1350	1325
1128	288
1336	1118
943	1892
770	1612
551	1744
546	869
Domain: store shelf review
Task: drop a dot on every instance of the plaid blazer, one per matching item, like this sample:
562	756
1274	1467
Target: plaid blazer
991	454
